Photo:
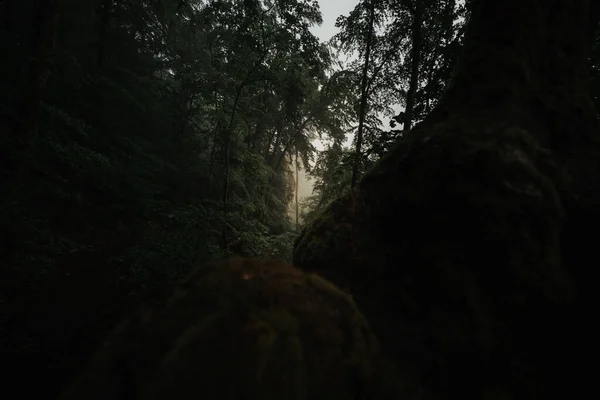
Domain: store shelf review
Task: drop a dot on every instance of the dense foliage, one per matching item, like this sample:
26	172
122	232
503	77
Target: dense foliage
404	54
139	137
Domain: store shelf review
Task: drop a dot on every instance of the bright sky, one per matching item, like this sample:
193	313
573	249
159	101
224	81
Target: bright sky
331	9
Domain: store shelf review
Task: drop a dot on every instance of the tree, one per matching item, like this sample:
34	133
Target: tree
467	245
133	135
363	90
404	52
434	40
437	33
417	11
332	174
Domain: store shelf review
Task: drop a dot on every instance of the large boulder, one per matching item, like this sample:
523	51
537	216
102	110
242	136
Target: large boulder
242	329
451	246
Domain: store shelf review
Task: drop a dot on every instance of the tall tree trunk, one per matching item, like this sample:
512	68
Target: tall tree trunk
215	137
364	95
274	136
254	139
415	56
469	244
213	151
226	150
288	144
297	184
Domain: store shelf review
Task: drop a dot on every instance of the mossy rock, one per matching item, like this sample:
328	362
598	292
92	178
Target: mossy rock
241	329
451	245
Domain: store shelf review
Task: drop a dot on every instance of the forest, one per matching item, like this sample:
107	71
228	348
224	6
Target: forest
141	140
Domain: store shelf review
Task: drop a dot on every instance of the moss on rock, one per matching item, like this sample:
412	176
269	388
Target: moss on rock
451	246
242	329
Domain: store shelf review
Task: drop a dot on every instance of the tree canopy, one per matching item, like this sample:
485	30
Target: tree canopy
139	138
